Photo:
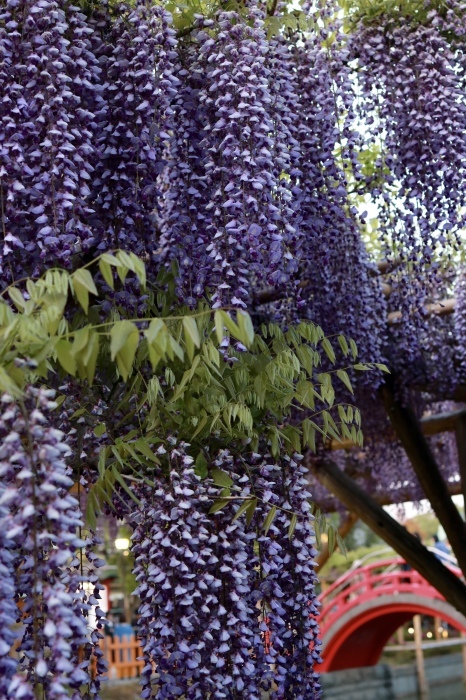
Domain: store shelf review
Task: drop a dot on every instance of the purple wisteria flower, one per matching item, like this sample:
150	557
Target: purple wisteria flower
41	521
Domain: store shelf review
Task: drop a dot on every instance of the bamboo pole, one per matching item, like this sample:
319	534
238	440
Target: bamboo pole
421	671
463	635
445	307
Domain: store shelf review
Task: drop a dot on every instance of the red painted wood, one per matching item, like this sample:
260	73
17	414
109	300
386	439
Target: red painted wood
368	627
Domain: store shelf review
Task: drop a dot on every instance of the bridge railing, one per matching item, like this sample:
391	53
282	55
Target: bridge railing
386	576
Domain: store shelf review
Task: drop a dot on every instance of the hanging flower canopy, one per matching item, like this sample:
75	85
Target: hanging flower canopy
192	292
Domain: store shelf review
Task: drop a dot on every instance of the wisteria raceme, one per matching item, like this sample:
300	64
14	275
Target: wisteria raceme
136	55
460	326
183	218
415	69
201	571
47	134
246	233
43	520
8	609
288	584
341	278
196	617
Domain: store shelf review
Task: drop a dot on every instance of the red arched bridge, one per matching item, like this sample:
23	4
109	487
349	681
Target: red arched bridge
364	608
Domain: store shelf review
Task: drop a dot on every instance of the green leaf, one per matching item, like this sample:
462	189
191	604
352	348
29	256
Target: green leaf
110	259
246	328
100	429
191	335
89	357
143	447
343	376
7	384
361	367
123	483
269	519
139	269
83	285
343	344
317	532
106	272
65	356
341	544
331	540
124	340
221	478
102	461
157	338
251	509
230	324
218	505
382	367
17	298
309	434
292	527
242	509
91	508
201	466
126	260
328	349
219	326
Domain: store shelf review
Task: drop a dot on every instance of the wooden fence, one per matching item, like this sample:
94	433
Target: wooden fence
122	655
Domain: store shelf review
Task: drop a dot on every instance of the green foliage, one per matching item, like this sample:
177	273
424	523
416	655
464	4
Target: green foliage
322	526
171	376
368	11
341	561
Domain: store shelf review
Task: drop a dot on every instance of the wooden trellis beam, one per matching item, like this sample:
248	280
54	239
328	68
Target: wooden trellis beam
408	431
430	425
394	534
445	307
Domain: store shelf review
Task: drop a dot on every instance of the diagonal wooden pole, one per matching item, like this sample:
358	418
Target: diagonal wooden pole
394	534
425	465
461	446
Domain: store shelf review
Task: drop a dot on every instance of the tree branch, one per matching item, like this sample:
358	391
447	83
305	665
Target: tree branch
394	534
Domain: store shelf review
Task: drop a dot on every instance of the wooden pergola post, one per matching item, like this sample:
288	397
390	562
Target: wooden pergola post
409	432
397	536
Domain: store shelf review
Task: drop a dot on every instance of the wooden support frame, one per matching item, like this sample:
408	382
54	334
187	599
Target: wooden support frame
430	425
397	536
460	430
409	432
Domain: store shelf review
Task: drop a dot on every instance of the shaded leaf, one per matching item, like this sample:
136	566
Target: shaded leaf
218	505
221	478
292	527
269	519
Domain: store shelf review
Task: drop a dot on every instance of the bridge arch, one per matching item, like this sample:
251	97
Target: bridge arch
359	637
364	608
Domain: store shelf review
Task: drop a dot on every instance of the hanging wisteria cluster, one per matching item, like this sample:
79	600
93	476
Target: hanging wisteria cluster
220	618
410	81
228	150
49	589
